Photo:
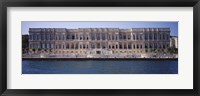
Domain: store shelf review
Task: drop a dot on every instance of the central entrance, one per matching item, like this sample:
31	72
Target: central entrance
98	52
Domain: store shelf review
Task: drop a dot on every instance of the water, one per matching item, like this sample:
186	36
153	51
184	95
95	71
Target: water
100	67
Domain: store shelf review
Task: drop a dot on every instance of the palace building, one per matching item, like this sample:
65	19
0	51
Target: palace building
174	41
104	41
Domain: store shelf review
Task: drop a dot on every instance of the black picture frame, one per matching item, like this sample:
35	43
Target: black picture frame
98	3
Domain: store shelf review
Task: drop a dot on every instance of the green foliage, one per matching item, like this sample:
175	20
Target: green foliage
33	50
172	50
25	43
39	49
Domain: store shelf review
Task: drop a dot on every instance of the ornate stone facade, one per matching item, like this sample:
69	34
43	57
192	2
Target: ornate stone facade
98	40
174	41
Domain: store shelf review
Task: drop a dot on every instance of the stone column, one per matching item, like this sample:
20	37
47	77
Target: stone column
157	36
118	45
160	36
106	35
122	45
74	45
70	45
131	36
89	45
118	36
152	33
132	44
100	36
95	36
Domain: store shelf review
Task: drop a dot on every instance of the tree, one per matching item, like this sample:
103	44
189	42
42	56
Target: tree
25	43
51	50
39	49
172	50
33	50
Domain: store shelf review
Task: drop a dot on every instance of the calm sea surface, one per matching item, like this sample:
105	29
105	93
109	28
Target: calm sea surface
100	67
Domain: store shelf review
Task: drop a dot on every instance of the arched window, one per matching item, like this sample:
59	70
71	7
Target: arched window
137	46
116	46
73	37
120	46
113	46
133	37
146	45
125	46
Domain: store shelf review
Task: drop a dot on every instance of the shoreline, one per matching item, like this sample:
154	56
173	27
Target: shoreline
99	58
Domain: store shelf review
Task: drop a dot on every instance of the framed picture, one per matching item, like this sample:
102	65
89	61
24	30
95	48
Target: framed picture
76	47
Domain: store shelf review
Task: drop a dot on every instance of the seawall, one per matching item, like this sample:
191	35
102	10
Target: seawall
99	58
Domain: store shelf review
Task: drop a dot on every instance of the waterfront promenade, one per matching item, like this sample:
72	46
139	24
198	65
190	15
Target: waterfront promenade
131	56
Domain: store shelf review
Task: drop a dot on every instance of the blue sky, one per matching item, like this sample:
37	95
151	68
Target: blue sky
96	24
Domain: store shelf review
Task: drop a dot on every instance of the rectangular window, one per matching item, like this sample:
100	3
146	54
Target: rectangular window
52	36
93	36
140	37
30	37
133	37
120	36
129	37
63	37
150	36
76	47
98	36
59	46
48	46
137	37
167	36
46	36
52	45
163	36
155	36
120	46
39	46
34	36
37	37
124	37
146	36
68	37
125	46
43	45
60	37
160	37
155	45
93	46
129	46
113	37
67	46
42	36
146	45
63	47
103	36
